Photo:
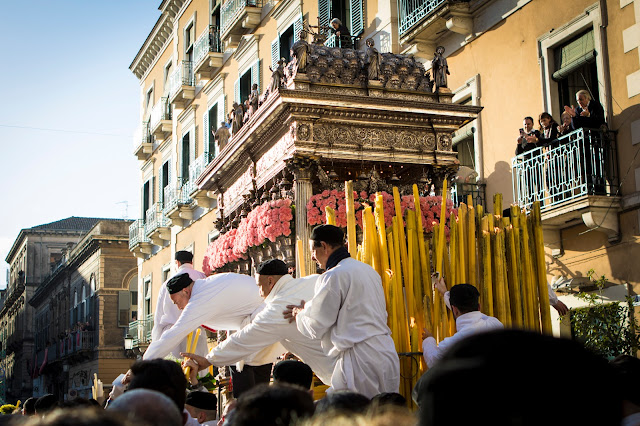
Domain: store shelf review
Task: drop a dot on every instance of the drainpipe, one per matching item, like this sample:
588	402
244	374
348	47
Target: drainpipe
604	17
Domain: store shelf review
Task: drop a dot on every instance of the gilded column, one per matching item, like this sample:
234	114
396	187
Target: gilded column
302	169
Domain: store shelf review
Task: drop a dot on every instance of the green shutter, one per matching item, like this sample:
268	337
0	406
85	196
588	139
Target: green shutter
357	17
324	12
298	25
206	133
275	52
255	75
236	91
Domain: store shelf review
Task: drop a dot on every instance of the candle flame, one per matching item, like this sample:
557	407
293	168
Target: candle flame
412	323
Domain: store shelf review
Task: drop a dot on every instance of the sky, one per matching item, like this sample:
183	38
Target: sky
68	111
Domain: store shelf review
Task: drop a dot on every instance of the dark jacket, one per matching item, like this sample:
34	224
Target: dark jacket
529	146
552	140
595	119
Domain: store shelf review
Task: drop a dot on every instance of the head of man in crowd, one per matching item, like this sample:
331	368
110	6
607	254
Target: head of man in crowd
344	402
160	375
202	406
464	298
324	240
294	373
183	257
583	97
29	407
268	273
81	416
180	288
272	405
527	124
45	404
148	407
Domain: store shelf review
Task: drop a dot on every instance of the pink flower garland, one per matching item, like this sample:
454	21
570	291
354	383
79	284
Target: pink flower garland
335	199
266	222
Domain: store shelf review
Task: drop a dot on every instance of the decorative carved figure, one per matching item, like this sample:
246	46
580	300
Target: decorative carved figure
373	60
253	99
300	51
238	118
222	135
440	68
277	75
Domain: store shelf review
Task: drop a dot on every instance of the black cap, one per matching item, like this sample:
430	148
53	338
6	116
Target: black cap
178	282
202	400
272	267
330	234
464	297
184	256
293	372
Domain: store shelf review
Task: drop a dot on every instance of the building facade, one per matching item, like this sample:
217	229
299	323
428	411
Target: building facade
512	58
81	312
32	258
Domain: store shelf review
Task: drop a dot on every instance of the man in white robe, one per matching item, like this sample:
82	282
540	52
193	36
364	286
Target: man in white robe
167	313
278	289
463	300
348	313
220	302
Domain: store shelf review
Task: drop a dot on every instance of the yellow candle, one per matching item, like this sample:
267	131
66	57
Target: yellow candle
331	215
471	246
443	211
300	255
351	218
543	292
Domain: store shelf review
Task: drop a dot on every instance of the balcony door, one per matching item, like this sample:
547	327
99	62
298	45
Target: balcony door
349	12
186	156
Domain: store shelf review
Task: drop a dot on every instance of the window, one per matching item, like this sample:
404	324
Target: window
349	12
575	68
166	270
210	125
245	86
147	195
186	157
149	99
167	74
286	41
92	284
147	298
165	178
281	46
215	13
189	38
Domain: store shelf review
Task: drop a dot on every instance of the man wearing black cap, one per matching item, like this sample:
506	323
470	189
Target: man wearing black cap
167	313
348	313
202	406
463	300
278	289
219	302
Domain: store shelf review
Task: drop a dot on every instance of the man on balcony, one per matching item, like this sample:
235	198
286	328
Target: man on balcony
167	313
279	289
588	114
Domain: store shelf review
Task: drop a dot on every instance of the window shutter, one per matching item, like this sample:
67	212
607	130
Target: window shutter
275	52
123	308
298	25
152	197
206	133
255	75
324	13
236	91
357	17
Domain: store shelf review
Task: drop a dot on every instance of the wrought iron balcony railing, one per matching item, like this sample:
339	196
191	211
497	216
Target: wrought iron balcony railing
582	163
197	167
411	12
232	9
136	233
209	41
461	191
182	76
343	41
140	330
155	219
161	111
175	194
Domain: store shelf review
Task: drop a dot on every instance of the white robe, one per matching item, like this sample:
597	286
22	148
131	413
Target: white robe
348	313
269	327
167	313
466	325
220	302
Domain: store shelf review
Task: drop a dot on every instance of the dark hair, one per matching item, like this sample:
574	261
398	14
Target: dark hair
552	122
273	405
160	375
29	406
83	416
293	372
184	256
46	403
465	297
389	398
514	367
343	401
529	118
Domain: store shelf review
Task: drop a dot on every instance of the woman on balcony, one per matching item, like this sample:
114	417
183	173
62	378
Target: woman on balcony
342	34
548	131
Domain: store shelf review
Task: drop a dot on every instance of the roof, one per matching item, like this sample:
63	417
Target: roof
72	224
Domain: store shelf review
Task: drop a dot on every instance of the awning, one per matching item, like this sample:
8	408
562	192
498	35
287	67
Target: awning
574	55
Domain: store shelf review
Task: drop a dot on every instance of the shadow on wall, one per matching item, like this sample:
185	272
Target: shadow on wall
500	182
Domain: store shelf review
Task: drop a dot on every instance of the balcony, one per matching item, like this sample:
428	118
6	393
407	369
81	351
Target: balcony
208	53
182	85
575	181
139	244
421	23
140	330
335	41
160	125
143	142
177	203
238	17
203	198
157	226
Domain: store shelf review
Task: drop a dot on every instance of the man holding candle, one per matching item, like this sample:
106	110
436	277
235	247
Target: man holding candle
279	289
220	302
348	314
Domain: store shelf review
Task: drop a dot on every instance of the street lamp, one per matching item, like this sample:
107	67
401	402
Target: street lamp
128	343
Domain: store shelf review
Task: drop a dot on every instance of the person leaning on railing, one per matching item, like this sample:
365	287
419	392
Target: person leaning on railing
548	131
566	127
342	33
528	138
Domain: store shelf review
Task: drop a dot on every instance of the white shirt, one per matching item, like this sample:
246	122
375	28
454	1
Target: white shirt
466	325
167	313
220	302
269	327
